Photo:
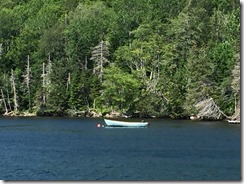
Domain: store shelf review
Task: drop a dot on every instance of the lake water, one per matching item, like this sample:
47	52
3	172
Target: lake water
75	149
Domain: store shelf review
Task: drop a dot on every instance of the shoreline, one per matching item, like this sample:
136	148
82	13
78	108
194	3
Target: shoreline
27	114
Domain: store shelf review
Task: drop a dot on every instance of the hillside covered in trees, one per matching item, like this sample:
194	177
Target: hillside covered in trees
139	57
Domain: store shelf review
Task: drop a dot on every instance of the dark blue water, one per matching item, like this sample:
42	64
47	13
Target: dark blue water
75	149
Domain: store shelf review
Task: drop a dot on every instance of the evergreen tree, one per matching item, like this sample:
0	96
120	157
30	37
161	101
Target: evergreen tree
163	57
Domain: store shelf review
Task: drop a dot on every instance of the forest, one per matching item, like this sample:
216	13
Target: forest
140	58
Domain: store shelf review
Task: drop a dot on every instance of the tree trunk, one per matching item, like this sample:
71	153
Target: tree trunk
27	80
4	102
68	83
43	84
14	91
9	104
94	103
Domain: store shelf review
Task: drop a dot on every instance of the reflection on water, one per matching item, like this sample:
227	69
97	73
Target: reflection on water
75	149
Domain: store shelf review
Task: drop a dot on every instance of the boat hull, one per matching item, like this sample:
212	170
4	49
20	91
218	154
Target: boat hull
114	123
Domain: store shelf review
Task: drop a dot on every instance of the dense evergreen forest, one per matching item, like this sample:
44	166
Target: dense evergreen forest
146	58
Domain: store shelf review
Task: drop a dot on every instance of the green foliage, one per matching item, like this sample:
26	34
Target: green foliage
119	89
200	79
164	56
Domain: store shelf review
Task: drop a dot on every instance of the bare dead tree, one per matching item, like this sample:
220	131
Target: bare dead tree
46	79
49	71
43	83
8	100
27	77
6	81
99	54
235	84
86	63
208	109
1	49
12	79
68	83
4	102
